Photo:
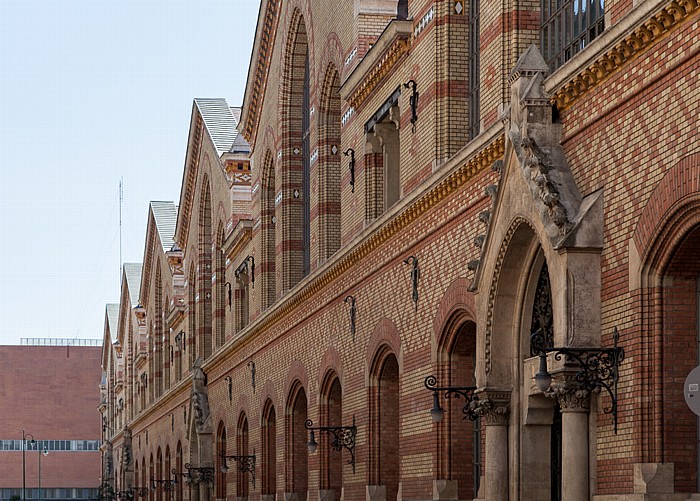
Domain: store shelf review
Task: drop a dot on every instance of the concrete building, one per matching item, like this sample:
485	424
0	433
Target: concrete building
502	195
48	389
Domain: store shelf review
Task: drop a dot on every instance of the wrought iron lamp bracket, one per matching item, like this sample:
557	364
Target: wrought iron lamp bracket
167	485
415	277
465	392
343	437
245	463
353	314
351	152
200	474
598	368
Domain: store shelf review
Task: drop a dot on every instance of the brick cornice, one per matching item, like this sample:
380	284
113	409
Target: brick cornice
622	44
258	72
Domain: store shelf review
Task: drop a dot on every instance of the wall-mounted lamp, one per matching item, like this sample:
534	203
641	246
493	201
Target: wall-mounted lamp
251	366
230	294
351	152
125	495
245	464
248	265
413	100
415	276
165	485
186	476
353	313
598	368
184	414
180	340
146	437
172	352
230	387
466	392
343	437
141	492
172	422
197	475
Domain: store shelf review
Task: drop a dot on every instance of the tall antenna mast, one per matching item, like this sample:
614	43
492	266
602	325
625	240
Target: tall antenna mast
121	200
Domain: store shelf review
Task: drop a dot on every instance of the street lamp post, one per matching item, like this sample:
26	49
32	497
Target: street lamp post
24	462
45	452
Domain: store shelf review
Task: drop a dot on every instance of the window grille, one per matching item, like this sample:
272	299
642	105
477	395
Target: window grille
568	26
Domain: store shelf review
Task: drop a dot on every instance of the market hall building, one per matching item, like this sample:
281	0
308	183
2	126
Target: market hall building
505	196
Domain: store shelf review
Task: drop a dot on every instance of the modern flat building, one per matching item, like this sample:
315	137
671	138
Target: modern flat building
48	393
497	201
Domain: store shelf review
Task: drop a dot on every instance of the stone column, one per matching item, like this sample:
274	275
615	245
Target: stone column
575	402
494	408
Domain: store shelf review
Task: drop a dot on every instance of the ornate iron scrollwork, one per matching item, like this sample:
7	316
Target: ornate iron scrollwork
343	438
466	392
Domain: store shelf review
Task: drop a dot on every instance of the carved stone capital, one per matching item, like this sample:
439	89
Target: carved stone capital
492	407
572	396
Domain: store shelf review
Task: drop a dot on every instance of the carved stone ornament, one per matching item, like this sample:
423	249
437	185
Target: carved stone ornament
572	396
109	461
128	456
492	411
200	400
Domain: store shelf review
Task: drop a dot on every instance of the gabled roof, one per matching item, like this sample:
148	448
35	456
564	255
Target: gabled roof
132	272
165	214
219	121
112	320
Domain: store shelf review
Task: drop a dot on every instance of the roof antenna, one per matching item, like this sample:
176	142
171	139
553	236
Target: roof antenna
121	200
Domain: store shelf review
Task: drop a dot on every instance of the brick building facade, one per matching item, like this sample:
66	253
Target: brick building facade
49	391
457	189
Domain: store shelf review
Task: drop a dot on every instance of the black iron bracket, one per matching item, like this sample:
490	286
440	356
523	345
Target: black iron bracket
415	277
229	380
598	368
343	437
229	294
465	392
165	485
413	100
353	314
351	152
245	464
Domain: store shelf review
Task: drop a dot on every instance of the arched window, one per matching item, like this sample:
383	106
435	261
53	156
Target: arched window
385	425
295	203
191	341
151	475
167	471
204	304
221	480
158	332
332	461
269	444
268	228
221	292
158	475
329	205
179	465
242	450
297	465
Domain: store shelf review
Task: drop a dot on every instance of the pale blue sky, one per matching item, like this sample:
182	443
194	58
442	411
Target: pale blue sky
94	91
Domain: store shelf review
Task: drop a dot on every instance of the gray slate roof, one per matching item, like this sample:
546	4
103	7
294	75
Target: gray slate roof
165	214
112	314
219	122
132	271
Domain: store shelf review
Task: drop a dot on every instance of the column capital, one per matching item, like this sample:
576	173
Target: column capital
572	395
493	405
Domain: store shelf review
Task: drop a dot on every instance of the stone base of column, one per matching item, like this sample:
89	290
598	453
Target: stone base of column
291	496
326	495
445	489
646	497
267	497
376	493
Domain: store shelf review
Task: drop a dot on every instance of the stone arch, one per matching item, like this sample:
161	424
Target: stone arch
331	414
295	375
667	237
219	264
456	304
385	335
330	363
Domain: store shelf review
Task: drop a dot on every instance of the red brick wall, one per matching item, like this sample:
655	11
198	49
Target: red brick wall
52	392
